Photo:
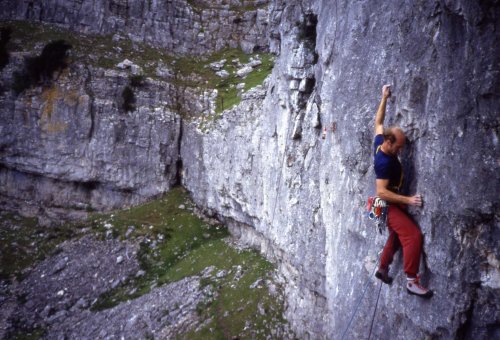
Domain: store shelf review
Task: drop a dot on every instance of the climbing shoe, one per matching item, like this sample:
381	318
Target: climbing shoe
413	287
383	276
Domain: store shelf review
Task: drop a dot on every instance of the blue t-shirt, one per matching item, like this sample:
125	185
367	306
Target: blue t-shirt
387	166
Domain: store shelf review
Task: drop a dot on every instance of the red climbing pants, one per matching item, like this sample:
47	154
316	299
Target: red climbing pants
402	232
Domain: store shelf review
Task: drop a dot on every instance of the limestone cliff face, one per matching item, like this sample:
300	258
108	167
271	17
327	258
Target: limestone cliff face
71	145
265	169
300	198
181	26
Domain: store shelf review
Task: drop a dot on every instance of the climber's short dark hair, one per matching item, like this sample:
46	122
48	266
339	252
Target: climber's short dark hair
390	133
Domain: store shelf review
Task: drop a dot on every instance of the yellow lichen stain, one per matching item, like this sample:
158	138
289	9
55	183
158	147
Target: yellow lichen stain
49	96
55	127
48	123
72	97
27	103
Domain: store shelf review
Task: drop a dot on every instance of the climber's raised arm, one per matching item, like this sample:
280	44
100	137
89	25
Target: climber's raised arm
379	117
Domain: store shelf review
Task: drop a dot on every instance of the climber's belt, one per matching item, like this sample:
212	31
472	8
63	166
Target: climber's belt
376	207
377	211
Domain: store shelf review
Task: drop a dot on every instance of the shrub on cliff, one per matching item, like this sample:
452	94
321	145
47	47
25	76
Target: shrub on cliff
5	33
136	80
128	96
128	99
41	68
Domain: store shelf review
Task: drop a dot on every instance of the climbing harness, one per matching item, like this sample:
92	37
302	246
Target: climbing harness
358	303
377	211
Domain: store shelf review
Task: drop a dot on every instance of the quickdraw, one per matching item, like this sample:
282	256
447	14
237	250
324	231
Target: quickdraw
377	211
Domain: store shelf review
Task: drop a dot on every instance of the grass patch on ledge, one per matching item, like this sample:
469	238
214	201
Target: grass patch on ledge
177	244
91	49
243	308
32	334
227	92
246	7
167	229
106	52
174	244
23	243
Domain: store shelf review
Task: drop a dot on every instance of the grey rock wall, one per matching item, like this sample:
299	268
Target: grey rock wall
71	145
268	172
179	26
264	167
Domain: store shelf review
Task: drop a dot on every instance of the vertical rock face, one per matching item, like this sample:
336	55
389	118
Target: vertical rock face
71	145
180	26
264	167
301	198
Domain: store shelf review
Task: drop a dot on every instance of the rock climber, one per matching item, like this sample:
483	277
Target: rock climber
389	178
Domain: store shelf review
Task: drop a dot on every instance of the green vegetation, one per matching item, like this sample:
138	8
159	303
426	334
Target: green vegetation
24	242
129	99
173	230
5	33
174	244
227	92
32	334
128	96
42	67
107	52
184	245
242	308
246	7
136	80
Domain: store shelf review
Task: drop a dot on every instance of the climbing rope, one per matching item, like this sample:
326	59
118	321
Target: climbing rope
358	303
375	310
281	173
